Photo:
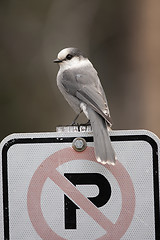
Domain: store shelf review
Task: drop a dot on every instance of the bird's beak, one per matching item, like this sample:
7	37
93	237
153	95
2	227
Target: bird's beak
57	60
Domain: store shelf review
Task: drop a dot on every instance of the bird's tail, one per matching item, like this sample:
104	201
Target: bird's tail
103	148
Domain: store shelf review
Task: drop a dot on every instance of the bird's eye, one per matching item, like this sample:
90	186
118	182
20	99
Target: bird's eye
69	56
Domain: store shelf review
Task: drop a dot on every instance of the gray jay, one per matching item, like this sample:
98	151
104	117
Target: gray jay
80	85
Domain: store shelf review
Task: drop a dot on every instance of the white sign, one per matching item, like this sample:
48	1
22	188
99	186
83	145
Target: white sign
50	191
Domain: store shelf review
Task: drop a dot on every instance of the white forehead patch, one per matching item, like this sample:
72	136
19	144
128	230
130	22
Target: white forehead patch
63	53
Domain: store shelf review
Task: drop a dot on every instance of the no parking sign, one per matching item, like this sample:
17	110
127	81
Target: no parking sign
50	191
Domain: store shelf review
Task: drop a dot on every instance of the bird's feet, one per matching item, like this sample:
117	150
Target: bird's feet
74	124
74	121
86	124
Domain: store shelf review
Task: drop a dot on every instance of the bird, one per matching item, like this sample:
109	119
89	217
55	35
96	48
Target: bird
80	85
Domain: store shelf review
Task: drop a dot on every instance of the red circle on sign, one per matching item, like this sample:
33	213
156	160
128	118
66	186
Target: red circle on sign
47	169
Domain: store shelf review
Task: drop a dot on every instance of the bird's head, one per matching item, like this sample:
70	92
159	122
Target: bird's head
70	57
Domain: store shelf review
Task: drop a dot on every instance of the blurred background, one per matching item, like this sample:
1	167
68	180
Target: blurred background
121	38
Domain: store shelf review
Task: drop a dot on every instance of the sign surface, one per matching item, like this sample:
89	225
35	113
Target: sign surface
50	191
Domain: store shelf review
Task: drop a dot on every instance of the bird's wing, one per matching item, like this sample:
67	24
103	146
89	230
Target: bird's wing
87	88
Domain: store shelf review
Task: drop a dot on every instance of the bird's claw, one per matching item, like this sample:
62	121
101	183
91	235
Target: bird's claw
86	124
74	124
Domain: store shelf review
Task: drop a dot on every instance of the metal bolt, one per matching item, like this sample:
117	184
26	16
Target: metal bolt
79	144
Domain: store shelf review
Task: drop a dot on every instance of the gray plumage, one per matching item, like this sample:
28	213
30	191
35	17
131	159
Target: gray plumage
79	83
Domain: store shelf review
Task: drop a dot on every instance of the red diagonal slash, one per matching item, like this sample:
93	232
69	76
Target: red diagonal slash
48	169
